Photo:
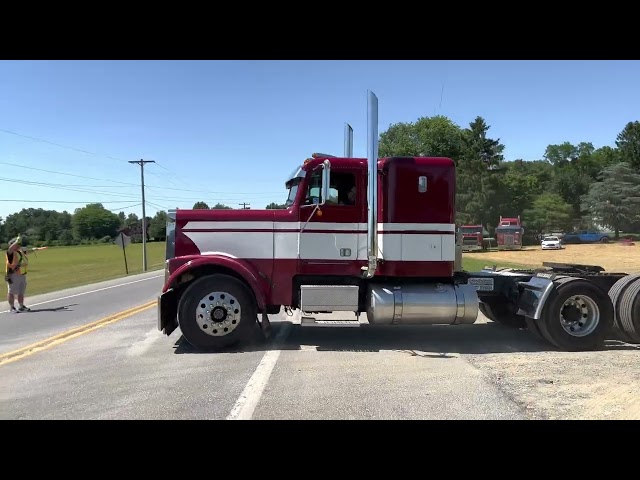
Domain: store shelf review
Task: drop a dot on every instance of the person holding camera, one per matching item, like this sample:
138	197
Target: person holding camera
16	263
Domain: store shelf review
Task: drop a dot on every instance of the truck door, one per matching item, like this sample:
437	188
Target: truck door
334	233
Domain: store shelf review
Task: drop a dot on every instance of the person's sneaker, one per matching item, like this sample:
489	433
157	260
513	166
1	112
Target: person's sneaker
13	310
24	309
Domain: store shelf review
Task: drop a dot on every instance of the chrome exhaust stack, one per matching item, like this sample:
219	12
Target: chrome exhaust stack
372	184
348	141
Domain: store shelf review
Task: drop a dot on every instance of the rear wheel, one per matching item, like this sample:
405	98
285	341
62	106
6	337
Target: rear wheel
618	293
629	313
577	316
499	311
534	328
217	311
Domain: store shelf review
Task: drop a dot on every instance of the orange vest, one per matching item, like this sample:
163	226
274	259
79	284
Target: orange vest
22	263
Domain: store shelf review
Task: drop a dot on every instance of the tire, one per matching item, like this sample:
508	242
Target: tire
201	329
604	240
498	311
617	294
577	316
629	312
534	327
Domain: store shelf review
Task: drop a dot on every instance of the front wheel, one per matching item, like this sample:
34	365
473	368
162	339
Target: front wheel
217	311
577	316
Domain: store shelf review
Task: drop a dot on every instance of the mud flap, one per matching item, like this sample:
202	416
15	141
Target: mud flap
168	312
534	295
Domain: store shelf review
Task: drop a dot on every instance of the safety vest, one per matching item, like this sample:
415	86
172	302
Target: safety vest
23	263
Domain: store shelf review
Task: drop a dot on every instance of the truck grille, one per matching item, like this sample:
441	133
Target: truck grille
509	240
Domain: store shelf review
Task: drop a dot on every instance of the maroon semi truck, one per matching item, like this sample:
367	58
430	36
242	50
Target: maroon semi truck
473	237
509	233
366	235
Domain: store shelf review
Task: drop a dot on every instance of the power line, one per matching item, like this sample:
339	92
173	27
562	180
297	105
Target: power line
54	186
92	189
60	145
96	155
114	194
156	206
135	185
122	208
175	175
142	163
64	201
245	205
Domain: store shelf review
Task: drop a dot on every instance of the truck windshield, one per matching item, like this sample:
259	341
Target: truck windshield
293	190
292	184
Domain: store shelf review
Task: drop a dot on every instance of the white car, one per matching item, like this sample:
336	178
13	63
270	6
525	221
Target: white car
551	243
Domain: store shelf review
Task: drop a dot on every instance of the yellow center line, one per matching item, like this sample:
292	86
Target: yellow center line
50	342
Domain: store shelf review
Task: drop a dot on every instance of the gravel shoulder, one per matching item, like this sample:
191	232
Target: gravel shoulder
574	386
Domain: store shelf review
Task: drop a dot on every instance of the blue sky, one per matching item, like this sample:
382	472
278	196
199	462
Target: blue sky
231	131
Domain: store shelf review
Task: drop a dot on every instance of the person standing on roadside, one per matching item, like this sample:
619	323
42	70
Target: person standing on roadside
16	263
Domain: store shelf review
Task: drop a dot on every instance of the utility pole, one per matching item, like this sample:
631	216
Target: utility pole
245	205
144	214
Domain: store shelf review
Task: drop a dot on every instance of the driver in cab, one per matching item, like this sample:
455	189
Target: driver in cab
350	200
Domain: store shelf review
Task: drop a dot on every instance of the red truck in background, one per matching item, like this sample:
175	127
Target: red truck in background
365	235
509	233
473	238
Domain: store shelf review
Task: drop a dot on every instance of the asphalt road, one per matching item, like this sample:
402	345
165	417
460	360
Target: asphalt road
128	370
56	312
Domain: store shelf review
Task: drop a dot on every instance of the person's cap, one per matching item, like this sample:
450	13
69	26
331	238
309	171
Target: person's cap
13	241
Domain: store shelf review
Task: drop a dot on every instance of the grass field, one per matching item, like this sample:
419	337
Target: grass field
58	268
475	264
614	257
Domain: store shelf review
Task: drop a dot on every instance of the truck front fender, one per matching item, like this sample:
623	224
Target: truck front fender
223	264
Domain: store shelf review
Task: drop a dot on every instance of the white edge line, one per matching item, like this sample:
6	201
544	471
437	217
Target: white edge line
92	291
250	396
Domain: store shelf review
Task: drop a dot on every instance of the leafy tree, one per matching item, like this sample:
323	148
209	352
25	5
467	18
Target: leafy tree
220	206
615	199
429	136
200	206
158	225
549	213
94	221
628	143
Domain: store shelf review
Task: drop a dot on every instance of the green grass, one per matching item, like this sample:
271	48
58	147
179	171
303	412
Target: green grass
475	264
58	268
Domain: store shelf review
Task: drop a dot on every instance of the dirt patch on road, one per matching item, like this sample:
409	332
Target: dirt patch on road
614	257
585	386
602	385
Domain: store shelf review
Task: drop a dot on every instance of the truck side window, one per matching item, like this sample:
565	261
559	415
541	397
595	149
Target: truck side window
341	192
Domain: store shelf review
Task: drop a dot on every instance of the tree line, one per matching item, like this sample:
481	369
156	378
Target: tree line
92	223
570	187
573	186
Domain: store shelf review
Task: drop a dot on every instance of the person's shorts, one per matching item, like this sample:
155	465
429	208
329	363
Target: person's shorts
18	284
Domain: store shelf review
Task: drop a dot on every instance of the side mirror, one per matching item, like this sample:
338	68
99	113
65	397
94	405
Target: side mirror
324	187
326	177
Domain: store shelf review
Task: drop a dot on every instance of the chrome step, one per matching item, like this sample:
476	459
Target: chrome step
314	322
